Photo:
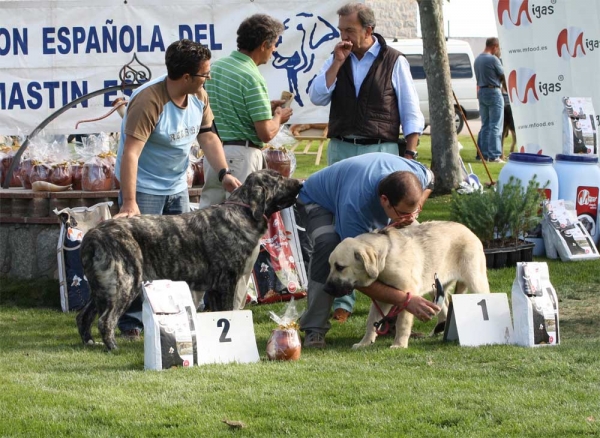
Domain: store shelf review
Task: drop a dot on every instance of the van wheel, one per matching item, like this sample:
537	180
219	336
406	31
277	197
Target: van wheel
458	122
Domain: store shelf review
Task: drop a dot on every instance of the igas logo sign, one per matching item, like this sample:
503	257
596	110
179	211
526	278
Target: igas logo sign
570	43
524	87
514	13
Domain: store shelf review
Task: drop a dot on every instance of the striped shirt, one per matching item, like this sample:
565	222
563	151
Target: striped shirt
238	97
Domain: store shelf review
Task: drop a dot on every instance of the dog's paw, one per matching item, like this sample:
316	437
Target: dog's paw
399	345
362	344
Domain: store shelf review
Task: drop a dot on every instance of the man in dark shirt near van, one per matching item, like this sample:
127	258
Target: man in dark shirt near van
490	75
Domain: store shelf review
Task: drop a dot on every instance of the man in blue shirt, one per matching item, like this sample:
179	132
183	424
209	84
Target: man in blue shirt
490	75
351	197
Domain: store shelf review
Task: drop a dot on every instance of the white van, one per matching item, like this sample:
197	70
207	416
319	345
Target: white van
462	75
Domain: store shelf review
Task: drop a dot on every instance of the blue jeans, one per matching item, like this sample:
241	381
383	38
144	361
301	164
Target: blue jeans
491	109
151	204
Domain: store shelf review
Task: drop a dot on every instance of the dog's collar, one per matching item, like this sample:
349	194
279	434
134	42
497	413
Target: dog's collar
245	205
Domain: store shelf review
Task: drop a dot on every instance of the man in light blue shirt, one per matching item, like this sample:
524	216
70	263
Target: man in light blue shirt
351	197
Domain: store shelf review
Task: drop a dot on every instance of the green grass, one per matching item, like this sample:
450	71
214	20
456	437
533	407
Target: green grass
51	385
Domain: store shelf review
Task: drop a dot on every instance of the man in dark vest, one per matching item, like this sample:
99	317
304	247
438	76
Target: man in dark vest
370	88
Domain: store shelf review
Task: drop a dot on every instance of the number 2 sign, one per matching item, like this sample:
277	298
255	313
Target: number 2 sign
479	319
226	337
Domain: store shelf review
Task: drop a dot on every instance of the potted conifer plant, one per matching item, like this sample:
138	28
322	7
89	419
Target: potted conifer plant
501	220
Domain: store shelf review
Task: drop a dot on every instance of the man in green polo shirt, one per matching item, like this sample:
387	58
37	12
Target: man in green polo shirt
244	116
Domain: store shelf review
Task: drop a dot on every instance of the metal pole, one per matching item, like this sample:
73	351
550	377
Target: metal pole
474	141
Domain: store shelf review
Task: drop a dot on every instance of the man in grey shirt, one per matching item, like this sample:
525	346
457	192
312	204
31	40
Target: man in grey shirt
490	75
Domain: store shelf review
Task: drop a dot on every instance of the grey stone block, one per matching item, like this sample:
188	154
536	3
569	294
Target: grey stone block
47	240
22	247
4	250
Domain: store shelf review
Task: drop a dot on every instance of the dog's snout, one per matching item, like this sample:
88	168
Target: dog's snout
337	289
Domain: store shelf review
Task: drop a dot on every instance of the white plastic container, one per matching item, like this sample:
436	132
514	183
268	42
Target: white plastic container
579	181
524	167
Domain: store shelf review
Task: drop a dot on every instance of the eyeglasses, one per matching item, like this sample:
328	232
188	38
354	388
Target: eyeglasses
403	217
203	75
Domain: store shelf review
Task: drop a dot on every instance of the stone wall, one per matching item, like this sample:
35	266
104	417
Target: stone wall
395	18
28	250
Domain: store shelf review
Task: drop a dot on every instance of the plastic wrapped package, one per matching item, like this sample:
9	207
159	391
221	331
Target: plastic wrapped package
284	342
61	174
277	153
40	172
97	175
77	174
6	159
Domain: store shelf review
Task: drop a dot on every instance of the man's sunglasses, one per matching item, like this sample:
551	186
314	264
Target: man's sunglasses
203	75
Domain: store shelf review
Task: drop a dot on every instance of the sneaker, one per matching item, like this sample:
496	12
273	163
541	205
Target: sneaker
496	160
314	340
341	315
131	334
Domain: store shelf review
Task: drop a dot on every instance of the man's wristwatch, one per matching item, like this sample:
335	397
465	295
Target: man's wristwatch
413	154
224	171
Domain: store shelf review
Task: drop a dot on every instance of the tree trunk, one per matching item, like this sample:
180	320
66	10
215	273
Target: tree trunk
445	162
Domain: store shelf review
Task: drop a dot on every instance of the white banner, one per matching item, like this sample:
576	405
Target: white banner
52	52
550	49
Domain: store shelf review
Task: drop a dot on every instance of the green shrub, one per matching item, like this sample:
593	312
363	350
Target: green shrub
499	218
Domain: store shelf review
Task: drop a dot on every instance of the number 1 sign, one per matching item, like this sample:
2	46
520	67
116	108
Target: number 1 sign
479	319
226	337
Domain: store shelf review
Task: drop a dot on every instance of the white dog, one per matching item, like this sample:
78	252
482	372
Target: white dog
407	259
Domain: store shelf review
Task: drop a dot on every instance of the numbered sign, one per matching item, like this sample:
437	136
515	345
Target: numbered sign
226	337
479	319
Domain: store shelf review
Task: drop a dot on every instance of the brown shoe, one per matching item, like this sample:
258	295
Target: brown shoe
132	335
341	315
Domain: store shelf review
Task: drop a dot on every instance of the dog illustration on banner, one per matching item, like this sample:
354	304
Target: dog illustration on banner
313	31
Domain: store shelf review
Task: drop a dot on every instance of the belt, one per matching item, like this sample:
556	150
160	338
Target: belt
246	143
490	86
362	141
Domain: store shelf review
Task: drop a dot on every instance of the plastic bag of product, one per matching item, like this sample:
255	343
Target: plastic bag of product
534	306
7	154
278	155
75	222
275	274
39	172
98	169
97	175
284	342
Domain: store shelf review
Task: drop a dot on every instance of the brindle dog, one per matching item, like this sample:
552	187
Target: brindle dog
208	249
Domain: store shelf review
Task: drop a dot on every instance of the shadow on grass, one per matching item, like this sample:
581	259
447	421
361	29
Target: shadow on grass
32	293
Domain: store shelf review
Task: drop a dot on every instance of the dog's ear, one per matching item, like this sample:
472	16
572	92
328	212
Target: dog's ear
258	202
368	257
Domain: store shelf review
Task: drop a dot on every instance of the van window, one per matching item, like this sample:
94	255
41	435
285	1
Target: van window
460	66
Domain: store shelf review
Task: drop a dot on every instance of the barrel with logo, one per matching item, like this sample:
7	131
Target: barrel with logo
579	181
524	167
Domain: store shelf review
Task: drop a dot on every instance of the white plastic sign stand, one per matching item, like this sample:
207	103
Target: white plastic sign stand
479	319
225	337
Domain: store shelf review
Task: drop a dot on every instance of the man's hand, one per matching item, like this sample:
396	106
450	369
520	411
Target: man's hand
284	114
342	50
230	183
128	209
276	104
422	308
